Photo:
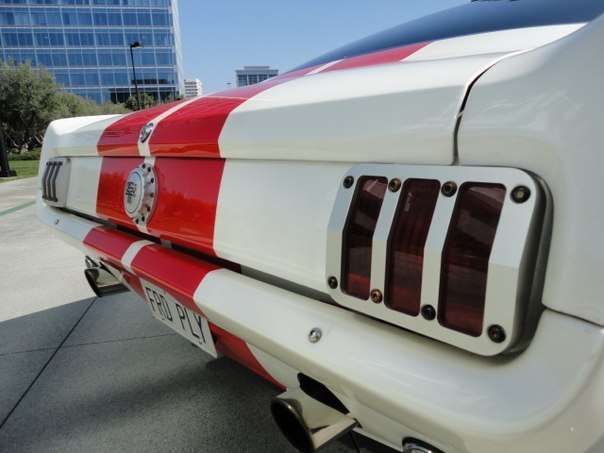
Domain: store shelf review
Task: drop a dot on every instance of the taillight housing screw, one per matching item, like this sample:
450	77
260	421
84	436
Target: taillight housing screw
496	334
348	182
449	189
520	194
376	296
332	282
394	185
315	335
428	312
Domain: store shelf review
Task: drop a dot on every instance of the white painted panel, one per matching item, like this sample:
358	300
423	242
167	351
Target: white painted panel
403	112
76	136
67	227
273	216
493	42
542	111
469	403
84	184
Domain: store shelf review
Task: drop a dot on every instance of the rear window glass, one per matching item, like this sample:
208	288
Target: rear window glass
475	17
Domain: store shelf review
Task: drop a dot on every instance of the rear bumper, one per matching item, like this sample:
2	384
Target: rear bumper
395	383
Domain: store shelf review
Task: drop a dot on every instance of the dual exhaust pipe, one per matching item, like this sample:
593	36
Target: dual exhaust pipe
308	423
102	282
311	416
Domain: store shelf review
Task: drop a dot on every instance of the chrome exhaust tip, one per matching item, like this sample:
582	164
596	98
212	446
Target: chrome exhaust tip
411	445
102	282
307	423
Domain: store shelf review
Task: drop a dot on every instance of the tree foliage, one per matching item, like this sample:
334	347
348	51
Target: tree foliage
30	99
146	101
71	105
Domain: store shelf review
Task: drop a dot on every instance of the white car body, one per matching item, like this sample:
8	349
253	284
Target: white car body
526	98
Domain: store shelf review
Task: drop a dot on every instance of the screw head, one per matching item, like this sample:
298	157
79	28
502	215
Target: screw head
332	282
314	335
348	182
428	312
376	296
449	189
496	334
394	185
520	194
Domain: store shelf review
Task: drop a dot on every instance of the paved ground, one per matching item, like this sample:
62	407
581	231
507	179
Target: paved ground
85	374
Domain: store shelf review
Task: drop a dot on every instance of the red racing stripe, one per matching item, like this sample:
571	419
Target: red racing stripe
109	245
135	284
296	74
186	202
181	275
121	137
110	197
194	129
177	273
385	56
238	350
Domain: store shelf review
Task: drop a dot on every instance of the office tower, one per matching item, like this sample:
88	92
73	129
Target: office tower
88	44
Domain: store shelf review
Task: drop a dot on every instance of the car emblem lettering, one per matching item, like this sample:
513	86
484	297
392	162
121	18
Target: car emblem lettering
130	191
140	193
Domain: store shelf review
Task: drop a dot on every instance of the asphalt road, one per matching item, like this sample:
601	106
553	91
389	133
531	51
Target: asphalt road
79	373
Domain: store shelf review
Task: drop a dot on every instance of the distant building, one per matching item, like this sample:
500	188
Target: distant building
192	88
250	75
86	44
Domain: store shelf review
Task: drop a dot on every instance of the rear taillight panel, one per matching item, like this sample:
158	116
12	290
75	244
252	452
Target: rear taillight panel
55	181
447	252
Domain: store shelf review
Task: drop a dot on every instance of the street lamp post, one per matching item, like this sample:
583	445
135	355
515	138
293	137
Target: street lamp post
135	45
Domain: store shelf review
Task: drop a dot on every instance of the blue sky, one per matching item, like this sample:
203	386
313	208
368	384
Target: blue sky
219	36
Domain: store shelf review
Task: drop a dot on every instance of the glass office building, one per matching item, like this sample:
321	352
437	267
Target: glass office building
86	44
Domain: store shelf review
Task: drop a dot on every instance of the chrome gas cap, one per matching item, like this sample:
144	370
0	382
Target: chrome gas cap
140	193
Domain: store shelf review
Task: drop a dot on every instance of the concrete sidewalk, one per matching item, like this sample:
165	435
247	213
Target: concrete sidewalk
85	374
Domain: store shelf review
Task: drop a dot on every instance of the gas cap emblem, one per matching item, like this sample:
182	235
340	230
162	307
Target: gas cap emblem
140	193
145	132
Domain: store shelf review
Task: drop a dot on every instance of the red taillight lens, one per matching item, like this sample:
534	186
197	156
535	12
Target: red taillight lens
465	258
358	235
406	243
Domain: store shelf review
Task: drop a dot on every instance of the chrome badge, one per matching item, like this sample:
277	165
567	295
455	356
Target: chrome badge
140	193
145	132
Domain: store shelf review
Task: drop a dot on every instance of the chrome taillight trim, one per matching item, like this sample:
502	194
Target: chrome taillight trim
511	265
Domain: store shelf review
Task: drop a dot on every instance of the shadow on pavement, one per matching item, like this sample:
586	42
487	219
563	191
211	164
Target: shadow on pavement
103	375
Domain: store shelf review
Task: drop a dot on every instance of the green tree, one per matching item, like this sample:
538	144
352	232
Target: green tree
70	105
172	98
30	99
28	103
146	101
109	108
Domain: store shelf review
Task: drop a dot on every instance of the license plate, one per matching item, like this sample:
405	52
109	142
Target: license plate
187	323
